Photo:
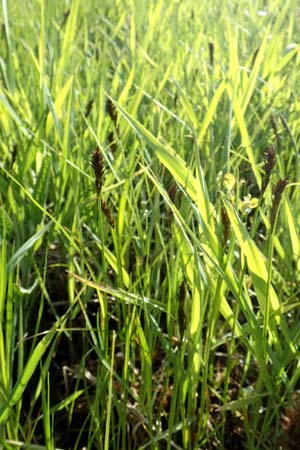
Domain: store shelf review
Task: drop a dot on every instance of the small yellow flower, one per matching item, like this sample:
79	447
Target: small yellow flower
229	181
248	204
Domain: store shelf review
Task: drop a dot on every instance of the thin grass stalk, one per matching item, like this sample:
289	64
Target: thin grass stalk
48	435
278	191
110	395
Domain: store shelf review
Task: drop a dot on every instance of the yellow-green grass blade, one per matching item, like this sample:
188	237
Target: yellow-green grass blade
259	275
3	274
255	259
110	394
189	260
28	245
245	138
291	223
166	155
9	47
36	204
56	108
254	73
194	274
146	358
188	108
123	295
12	113
208	118
195	187
68	43
29	369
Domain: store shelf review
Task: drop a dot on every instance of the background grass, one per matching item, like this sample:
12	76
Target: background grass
161	309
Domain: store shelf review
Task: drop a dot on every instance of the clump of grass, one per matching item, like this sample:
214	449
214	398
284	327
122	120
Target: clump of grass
201	359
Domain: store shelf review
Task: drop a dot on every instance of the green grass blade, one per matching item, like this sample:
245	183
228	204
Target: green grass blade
29	369
28	245
167	156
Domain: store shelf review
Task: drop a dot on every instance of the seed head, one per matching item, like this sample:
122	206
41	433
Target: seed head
226	225
107	213
111	111
275	130
211	49
112	142
98	166
270	162
254	57
277	192
88	108
14	153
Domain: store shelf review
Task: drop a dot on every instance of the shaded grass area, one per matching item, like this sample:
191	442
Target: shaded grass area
149	199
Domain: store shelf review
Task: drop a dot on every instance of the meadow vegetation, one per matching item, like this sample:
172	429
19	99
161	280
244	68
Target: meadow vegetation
149	224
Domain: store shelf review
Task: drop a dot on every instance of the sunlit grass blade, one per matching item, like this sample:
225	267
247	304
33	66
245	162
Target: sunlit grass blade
167	156
292	228
68	42
28	245
30	367
259	275
174	323
208	118
55	107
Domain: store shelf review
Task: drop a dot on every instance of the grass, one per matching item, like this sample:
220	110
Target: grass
149	225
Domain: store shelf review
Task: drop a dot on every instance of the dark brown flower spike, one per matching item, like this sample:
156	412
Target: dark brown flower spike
275	129
107	213
172	191
277	192
111	111
65	18
270	162
98	166
226	226
14	153
88	108
255	53
211	49
112	142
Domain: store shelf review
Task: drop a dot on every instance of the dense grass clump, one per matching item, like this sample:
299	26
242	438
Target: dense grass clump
149	225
